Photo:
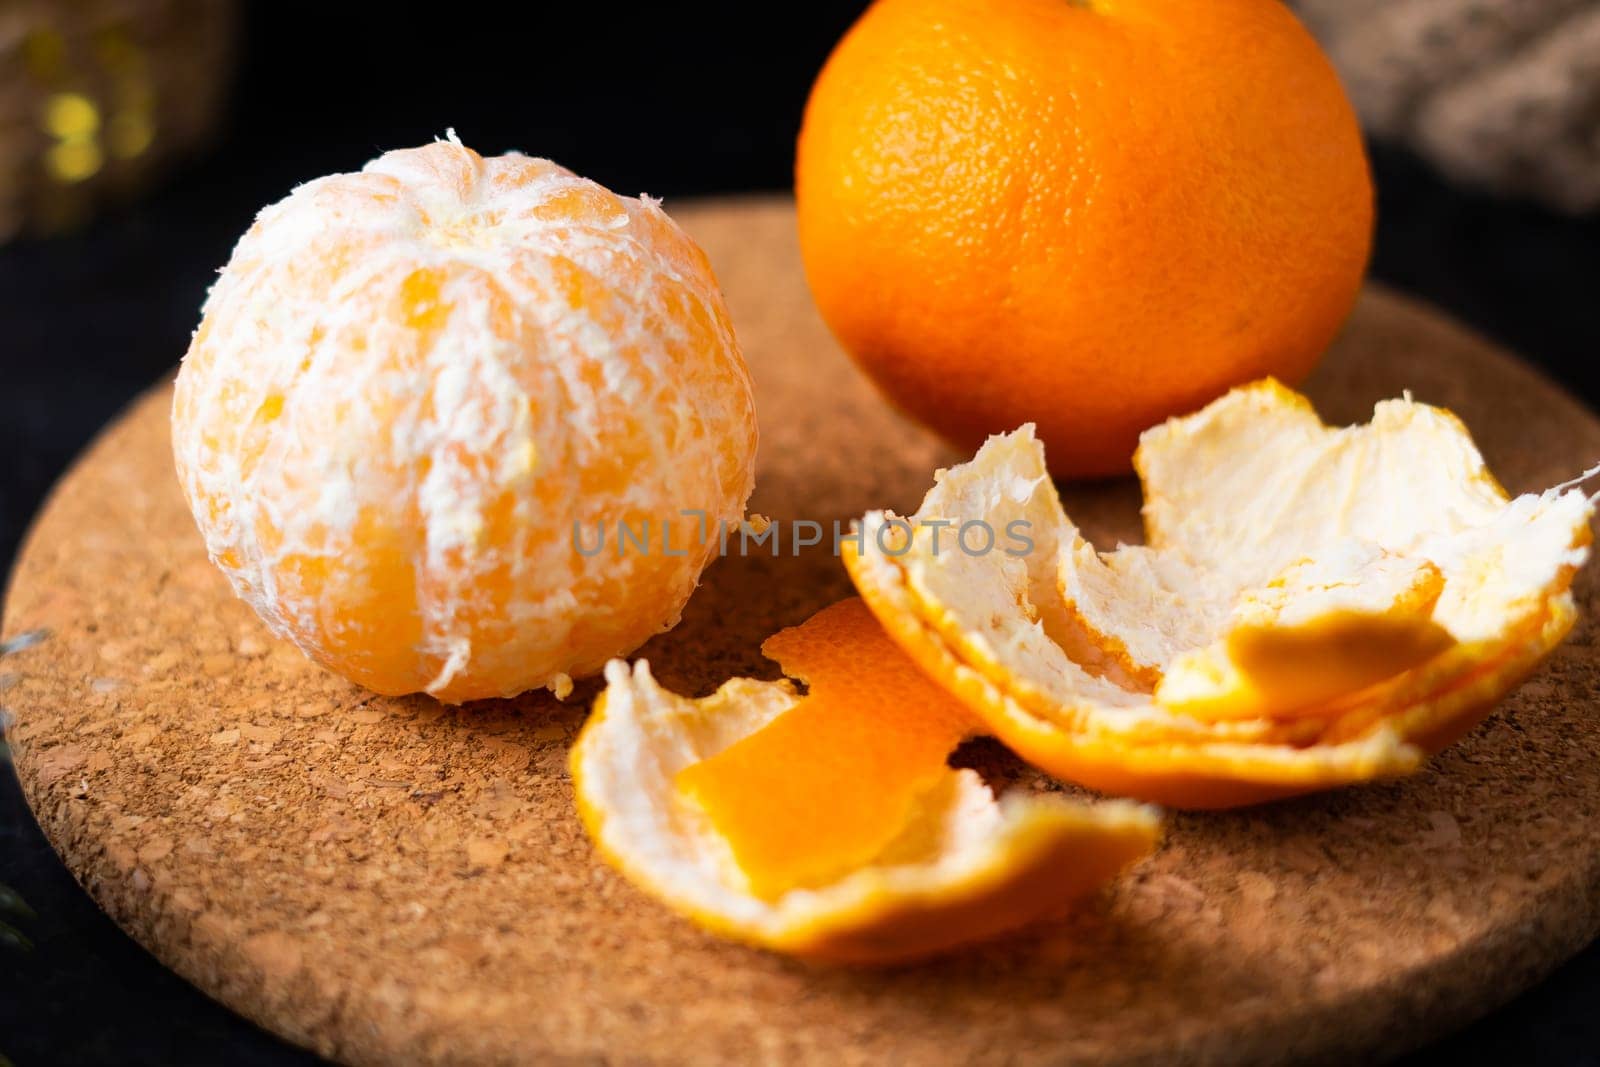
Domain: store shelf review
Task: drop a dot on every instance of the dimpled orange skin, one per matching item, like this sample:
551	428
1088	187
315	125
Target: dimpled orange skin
411	382
1092	215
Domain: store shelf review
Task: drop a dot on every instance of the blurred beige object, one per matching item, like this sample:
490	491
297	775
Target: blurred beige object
97	96
1504	94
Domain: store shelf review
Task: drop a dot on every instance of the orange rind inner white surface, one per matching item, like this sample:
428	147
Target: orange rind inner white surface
1321	629
842	834
1312	607
416	388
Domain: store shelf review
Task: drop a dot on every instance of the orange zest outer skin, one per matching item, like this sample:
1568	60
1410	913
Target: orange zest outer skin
1015	210
1037	856
1056	855
827	785
1445	700
1293	673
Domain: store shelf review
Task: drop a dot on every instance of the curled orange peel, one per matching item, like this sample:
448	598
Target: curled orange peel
829	784
1321	630
1313	607
829	825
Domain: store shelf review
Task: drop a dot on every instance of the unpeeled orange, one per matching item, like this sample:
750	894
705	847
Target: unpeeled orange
423	394
1087	214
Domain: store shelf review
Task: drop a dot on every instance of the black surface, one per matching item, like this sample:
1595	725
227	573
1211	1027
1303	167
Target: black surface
704	100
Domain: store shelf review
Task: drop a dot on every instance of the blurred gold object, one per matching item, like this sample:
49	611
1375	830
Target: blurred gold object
98	96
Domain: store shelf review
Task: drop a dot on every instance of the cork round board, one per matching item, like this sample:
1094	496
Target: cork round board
392	880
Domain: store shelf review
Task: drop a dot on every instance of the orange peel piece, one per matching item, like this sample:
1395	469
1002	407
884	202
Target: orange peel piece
1385	556
828	785
1321	630
751	812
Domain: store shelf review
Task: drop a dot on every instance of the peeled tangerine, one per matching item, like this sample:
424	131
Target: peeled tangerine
413	385
1312	606
830	825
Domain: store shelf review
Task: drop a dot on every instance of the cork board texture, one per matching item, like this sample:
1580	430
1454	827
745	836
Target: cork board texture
391	880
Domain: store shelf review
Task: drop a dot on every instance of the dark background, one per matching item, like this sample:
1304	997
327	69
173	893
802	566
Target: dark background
675	100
